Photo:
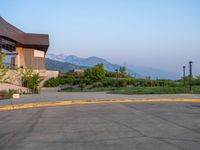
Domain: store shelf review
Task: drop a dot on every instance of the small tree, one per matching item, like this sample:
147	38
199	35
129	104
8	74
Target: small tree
3	68
29	79
25	74
33	83
82	84
70	80
122	70
95	73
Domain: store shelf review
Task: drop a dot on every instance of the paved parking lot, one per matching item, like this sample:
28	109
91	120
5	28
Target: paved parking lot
106	126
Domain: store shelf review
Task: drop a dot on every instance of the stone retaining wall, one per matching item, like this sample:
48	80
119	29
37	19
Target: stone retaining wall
7	87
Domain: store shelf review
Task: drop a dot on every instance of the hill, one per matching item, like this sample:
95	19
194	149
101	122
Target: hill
87	62
138	71
60	66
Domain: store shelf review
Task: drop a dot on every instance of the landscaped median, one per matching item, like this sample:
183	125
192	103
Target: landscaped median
84	102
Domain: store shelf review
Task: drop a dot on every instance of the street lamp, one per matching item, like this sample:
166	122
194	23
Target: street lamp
117	71
190	75
184	75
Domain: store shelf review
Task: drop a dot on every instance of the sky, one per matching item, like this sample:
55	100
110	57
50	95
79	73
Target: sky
163	34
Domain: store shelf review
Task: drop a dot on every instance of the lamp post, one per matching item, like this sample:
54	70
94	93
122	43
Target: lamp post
184	75
190	75
117	71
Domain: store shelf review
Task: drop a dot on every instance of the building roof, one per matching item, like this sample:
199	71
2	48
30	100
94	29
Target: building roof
26	40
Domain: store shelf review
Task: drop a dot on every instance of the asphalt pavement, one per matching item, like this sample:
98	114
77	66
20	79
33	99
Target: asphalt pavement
105	126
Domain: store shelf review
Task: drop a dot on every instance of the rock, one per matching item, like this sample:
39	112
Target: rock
16	95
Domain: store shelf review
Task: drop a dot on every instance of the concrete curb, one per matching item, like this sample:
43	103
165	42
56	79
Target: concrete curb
84	102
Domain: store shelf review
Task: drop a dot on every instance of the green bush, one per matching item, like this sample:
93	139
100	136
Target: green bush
66	79
52	82
110	74
3	68
6	94
96	73
33	83
196	80
86	81
120	82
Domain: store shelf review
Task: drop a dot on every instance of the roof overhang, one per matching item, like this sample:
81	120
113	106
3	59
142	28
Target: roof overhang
22	39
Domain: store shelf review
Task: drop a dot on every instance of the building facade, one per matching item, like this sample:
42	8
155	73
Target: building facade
25	50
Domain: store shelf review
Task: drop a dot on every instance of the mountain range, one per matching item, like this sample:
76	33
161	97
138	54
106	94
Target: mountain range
65	63
60	66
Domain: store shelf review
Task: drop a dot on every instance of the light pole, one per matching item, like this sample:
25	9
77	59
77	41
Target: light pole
184	75
117	71
190	75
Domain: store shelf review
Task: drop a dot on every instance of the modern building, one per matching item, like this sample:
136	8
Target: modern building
22	49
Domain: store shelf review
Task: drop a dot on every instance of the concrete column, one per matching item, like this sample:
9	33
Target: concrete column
20	57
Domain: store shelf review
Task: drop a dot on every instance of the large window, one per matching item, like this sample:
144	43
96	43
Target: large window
9	48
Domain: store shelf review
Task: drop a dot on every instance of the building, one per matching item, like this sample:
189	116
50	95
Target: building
77	72
22	49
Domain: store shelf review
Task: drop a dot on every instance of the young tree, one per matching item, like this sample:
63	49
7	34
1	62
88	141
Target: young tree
3	68
70	80
122	70
29	79
95	73
33	83
25	74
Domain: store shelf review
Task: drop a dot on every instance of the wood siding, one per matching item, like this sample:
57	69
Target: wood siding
27	59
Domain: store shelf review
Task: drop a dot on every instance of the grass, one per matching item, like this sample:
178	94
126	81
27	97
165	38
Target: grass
138	90
156	90
5	95
96	89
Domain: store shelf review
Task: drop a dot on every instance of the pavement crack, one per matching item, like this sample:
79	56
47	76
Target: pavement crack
161	118
23	131
122	124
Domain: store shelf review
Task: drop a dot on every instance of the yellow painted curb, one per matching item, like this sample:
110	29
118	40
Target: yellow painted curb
81	102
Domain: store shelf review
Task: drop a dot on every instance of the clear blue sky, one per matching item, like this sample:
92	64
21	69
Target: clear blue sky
155	33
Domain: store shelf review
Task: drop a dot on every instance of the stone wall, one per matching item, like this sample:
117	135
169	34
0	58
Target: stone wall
15	78
7	86
49	74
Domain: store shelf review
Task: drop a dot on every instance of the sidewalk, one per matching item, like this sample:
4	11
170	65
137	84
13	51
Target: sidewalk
52	95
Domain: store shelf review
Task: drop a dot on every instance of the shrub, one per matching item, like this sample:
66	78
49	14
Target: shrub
7	94
33	83
82	84
66	79
120	82
3	68
86	81
196	80
95	73
110	74
52	82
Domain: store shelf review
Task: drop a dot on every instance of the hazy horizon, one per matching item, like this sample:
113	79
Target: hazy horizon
163	35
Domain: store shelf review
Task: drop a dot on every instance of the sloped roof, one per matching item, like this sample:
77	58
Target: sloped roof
27	40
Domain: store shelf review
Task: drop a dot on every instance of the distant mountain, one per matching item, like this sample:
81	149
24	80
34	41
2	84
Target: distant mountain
152	72
87	62
60	66
59	57
139	72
